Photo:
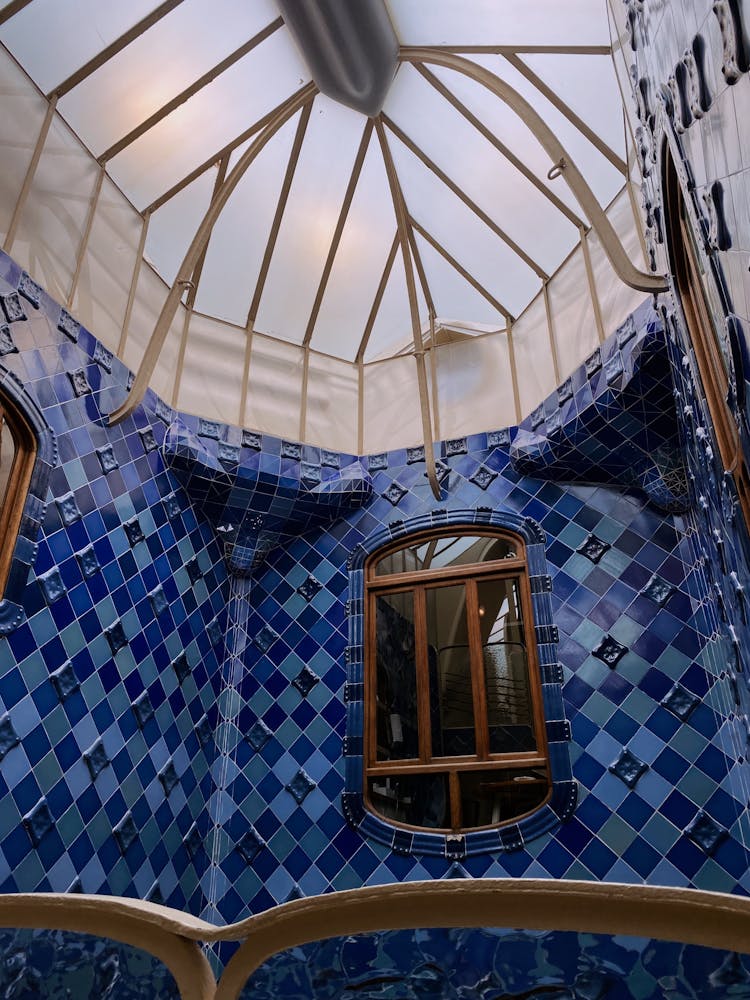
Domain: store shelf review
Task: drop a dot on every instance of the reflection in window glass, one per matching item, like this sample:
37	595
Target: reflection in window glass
414	799
440	553
451	698
489	798
397	731
7	454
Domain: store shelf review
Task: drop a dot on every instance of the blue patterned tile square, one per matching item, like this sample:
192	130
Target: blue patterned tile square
705	833
498	439
69	326
69	512
250	439
305	681
12	307
229	454
116	636
330	459
309	588
204	731
265	638
79	382
680	701
158	600
103	357
193	841
8	736
209	429
96	759
415	455
628	768
133	531
456	446
193	570
658	590
143	709
300	786
7	345
38	822
64	680
610	651
148	440
395	493
88	561
258	735
126	833
291	449
30	289
168	777
250	844
107	459
483	477
52	585
181	667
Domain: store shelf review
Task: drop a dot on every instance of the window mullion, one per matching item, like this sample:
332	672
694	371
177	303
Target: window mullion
479	694
423	676
454	786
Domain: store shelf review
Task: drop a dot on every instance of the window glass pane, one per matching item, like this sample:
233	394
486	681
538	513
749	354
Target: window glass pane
451	700
7	454
440	553
415	799
506	667
492	797
396	678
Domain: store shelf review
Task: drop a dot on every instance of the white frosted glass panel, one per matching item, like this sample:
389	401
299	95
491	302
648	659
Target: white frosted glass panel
55	213
274	392
510	22
104	283
391	406
536	373
171	229
392	330
211	381
486	176
23	111
210	120
160	64
572	314
455	299
332	392
310	218
475	391
239	238
149	298
465	238
588	86
33	35
357	268
616	299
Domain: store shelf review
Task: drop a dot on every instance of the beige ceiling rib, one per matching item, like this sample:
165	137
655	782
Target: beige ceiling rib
284	112
617	162
499	146
309	89
592	286
111	50
470	204
133	285
402	223
462	271
11	9
513	372
551	333
377	300
190	91
421	273
195	278
564	163
291	167
336	239
85	237
501	50
29	176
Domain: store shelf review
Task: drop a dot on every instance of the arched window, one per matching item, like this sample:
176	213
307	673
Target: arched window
454	729
17	454
694	292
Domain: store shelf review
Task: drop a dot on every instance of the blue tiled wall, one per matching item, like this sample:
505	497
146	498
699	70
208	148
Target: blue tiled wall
107	683
689	62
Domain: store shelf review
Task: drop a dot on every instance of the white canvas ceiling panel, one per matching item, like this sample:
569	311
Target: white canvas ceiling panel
392	416
471	370
238	241
211	376
455	298
616	300
357	268
149	298
159	65
54	216
34	35
210	120
573	313
274	392
102	293
391	331
23	111
535	370
332	404
172	227
309	222
512	22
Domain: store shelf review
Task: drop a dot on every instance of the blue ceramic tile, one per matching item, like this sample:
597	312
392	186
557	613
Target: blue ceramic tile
628	768
300	786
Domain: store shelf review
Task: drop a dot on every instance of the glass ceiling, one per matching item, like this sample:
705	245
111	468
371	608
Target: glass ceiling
167	97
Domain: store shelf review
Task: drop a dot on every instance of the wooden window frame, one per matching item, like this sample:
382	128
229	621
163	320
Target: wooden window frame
418	582
13	502
690	291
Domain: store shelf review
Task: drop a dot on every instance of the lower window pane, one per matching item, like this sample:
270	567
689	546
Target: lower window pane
451	697
492	797
396	725
414	799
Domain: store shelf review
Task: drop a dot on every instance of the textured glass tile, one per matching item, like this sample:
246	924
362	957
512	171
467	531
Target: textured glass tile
395	492
69	326
38	822
96	758
658	590
116	636
181	667
258	735
7	345
300	786
593	548
265	638
305	681
143	709
628	768
79	382
103	358
133	531
107	459
610	651
126	833
705	833
680	701
250	844
168	777
52	585
309	588
88	561
483	477
158	600
12	307
64	680
148	439
8	736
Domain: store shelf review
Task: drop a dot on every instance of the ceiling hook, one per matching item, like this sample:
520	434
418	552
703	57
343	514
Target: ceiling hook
554	172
